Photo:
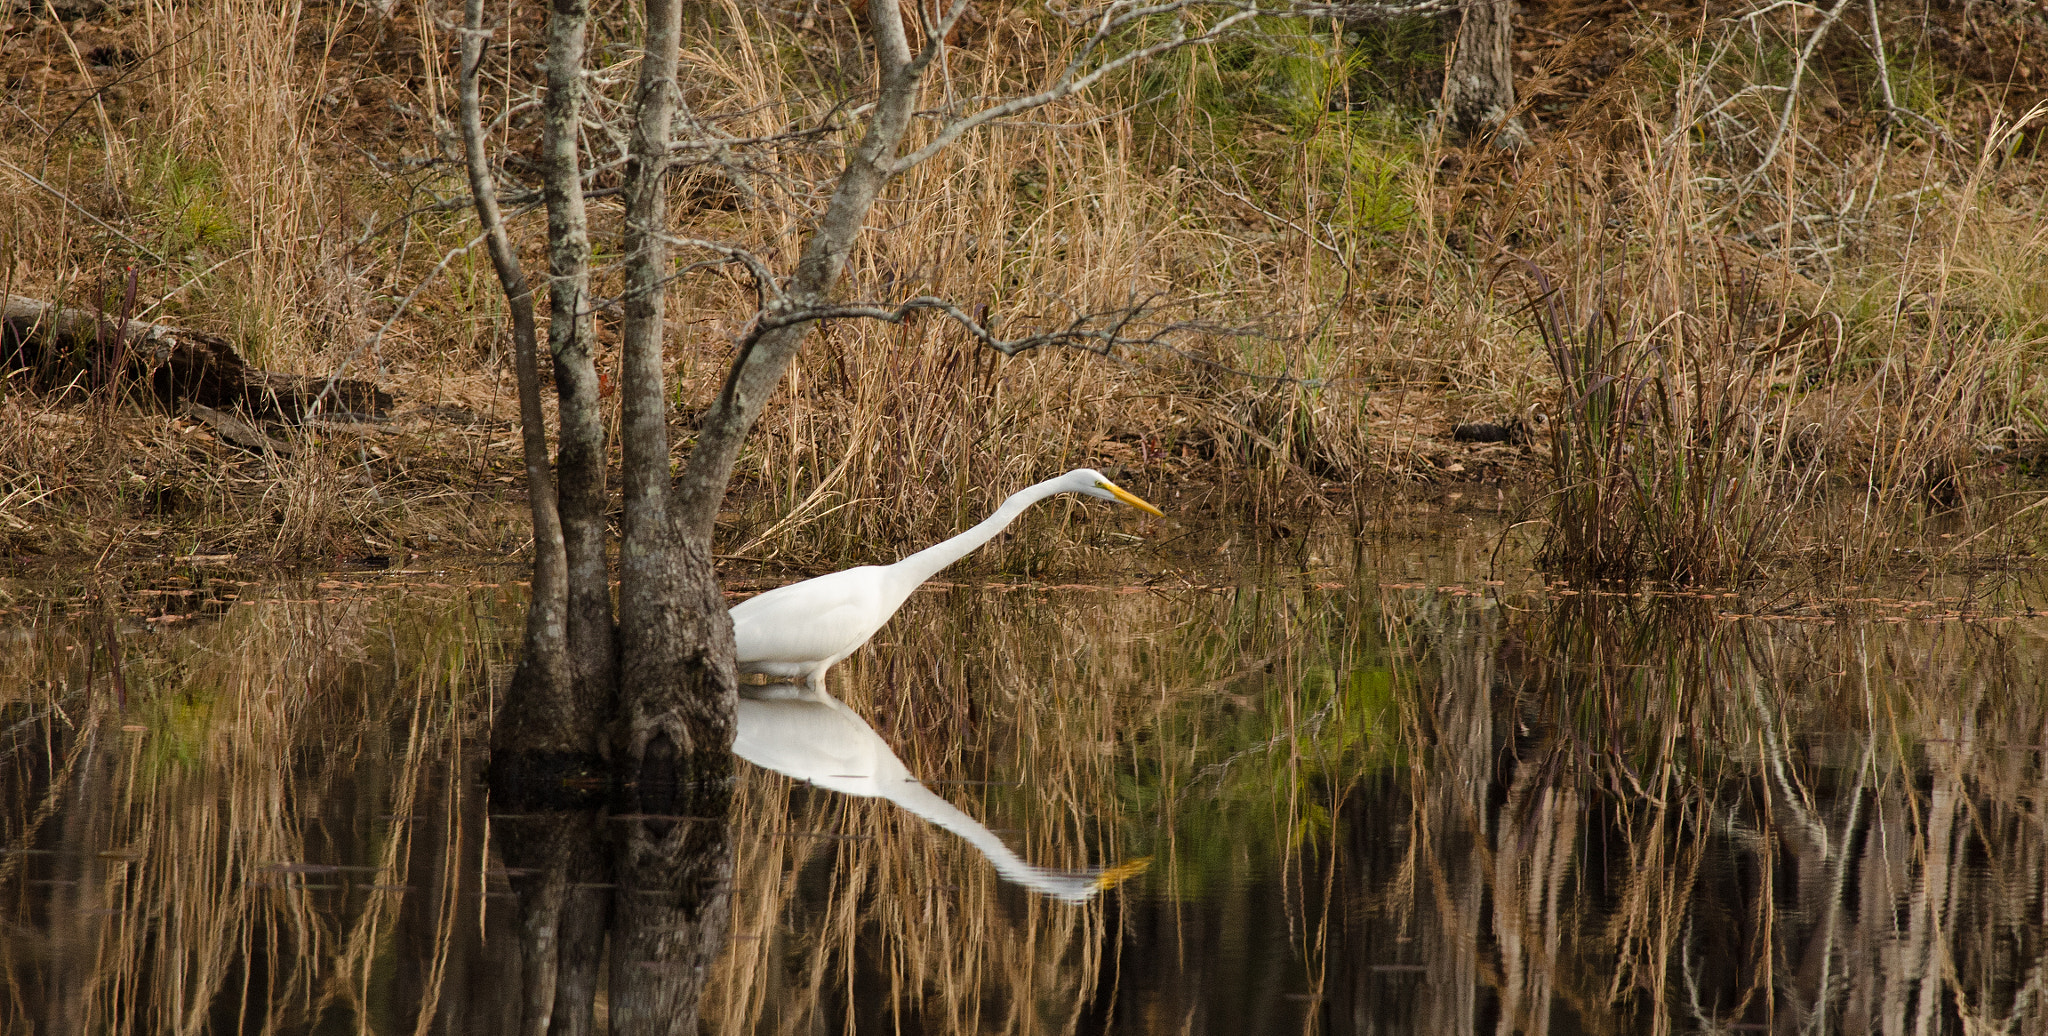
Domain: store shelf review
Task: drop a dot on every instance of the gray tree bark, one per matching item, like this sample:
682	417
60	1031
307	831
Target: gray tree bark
671	721
558	701
1479	76
540	711
678	681
572	342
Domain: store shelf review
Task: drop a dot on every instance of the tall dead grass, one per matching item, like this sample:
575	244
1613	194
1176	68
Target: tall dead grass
284	163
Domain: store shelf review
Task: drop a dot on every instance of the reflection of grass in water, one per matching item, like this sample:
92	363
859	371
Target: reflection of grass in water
1684	805
839	900
853	907
1115	752
1593	804
1603	802
175	834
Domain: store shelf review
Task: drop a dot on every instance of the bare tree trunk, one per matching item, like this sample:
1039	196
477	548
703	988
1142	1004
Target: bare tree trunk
677	679
1479	79
670	722
572	342
536	715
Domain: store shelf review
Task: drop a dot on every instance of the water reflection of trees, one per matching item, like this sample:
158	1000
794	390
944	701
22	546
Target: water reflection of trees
282	832
1631	817
1412	811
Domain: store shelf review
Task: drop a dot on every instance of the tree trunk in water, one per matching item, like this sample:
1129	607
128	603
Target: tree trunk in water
572	344
1479	80
677	678
539	718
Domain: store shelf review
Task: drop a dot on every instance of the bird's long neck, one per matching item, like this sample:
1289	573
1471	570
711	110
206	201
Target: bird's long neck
1073	886
930	561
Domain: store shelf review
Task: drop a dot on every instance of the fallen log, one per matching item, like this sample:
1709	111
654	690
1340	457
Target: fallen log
180	365
233	430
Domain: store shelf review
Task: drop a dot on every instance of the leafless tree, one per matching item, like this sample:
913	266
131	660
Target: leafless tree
663	666
645	698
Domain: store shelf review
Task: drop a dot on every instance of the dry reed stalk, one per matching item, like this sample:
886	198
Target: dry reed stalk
187	838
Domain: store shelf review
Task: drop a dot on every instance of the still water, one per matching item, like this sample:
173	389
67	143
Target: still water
1405	794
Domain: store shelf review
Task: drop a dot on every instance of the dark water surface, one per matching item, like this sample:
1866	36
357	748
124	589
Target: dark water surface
1392	796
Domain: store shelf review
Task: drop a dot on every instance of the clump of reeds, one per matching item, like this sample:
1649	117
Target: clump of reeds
1669	455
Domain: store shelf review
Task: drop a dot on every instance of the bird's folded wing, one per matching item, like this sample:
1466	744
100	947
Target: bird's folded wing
823	622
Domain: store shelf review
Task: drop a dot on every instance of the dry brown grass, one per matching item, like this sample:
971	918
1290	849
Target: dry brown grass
271	157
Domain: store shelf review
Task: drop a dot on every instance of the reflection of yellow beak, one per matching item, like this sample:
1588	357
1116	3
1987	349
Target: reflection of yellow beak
1130	498
1111	877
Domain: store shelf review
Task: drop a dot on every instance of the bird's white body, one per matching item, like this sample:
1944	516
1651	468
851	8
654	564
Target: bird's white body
820	740
799	631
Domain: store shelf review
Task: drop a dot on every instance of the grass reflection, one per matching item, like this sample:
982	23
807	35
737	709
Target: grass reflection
1433	810
1369	807
228	853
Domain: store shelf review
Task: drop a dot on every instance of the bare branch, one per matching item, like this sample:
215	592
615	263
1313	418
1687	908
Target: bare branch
1101	333
1377	12
721	142
935	43
1813	42
765	284
1115	18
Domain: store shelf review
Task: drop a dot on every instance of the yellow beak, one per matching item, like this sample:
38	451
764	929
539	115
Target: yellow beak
1131	498
1122	872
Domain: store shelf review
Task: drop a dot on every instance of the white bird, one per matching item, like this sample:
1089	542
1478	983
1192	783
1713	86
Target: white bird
798	631
820	740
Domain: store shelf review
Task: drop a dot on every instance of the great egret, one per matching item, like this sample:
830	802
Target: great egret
818	739
800	630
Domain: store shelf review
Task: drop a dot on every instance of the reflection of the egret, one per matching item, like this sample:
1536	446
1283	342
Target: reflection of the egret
816	738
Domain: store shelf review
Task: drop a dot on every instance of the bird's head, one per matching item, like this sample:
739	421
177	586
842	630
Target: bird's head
1094	483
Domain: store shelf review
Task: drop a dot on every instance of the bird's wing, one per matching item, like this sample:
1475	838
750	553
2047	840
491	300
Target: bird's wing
813	620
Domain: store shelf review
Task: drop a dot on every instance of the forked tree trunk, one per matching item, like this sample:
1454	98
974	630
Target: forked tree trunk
1479	77
677	678
670	723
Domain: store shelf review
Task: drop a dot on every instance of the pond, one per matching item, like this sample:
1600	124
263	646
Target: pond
1379	787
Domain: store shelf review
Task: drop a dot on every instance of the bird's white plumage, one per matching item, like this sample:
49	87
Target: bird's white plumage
791	630
799	631
820	740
